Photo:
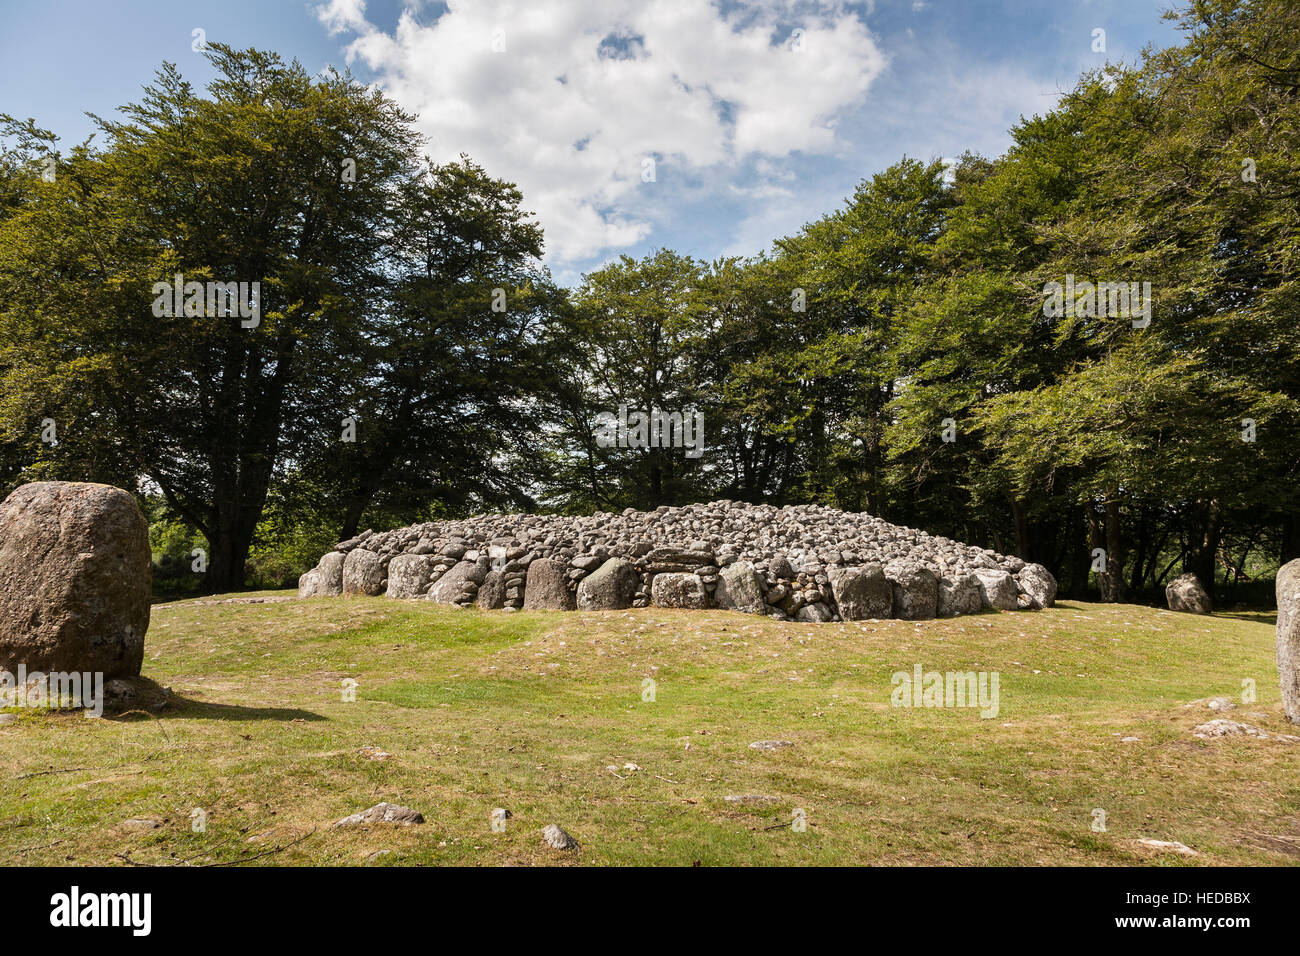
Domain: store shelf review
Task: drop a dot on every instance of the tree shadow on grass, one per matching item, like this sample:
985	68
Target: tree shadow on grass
1255	617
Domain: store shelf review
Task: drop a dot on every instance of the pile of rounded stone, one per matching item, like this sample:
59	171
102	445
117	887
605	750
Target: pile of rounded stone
805	562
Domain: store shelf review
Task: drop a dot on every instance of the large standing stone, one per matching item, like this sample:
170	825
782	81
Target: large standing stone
547	587
1185	593
611	587
740	589
1038	584
75	579
363	573
916	593
998	589
1288	638
677	589
408	575
451	587
861	593
959	594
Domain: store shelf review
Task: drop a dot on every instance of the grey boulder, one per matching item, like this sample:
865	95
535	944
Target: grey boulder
408	575
554	837
861	593
916	593
492	592
998	589
1186	593
740	589
382	813
680	590
363	573
1038	585
611	587
75	579
959	594
546	587
452	586
815	613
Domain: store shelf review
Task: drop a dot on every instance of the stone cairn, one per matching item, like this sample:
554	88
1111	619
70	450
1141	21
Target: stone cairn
802	562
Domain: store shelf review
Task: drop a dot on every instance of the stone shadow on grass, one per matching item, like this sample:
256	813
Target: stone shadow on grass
142	697
188	707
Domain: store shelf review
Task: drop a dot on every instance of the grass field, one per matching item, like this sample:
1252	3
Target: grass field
530	711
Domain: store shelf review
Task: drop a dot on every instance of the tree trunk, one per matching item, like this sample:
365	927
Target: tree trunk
1141	551
1204	544
1114	551
1021	520
1290	538
228	550
1077	554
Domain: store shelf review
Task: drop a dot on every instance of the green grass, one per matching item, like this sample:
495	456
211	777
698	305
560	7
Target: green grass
527	711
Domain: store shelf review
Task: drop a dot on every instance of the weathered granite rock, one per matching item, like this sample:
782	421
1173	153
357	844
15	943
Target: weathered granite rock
781	568
916	593
611	587
1186	593
1038	584
382	813
330	583
408	575
740	589
959	594
309	583
1288	638
463	578
815	613
326	579
676	560
75	579
998	589
861	593
363	573
492	592
557	839
547	587
680	590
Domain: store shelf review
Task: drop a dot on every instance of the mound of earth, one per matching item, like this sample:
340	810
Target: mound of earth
805	562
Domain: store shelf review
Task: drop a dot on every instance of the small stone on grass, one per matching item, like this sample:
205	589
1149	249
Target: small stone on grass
382	813
557	839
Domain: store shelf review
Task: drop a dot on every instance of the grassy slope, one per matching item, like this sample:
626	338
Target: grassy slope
526	711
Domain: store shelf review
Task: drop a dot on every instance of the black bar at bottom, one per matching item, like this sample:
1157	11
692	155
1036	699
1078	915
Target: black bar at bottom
331	905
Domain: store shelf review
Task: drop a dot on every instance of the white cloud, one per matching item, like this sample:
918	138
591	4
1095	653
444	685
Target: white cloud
569	114
340	15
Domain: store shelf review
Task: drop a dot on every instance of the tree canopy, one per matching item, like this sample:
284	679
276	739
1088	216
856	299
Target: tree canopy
899	355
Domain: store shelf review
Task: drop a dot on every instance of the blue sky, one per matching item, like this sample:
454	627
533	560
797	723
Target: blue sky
758	117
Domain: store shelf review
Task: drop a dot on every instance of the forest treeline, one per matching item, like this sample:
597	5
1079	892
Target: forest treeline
414	359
